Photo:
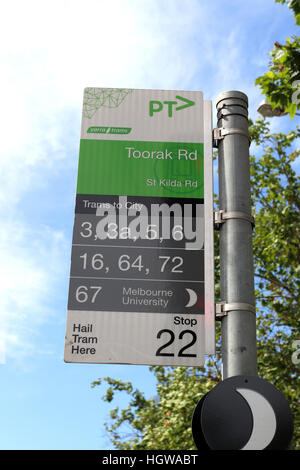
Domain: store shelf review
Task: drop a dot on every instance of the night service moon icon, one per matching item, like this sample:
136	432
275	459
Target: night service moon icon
264	420
192	297
243	413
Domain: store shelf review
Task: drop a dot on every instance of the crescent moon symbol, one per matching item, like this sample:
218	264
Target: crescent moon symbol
192	299
264	420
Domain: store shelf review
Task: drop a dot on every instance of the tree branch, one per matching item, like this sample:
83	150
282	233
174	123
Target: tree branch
274	280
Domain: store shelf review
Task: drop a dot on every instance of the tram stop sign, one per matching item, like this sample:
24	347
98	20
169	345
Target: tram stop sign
141	283
243	413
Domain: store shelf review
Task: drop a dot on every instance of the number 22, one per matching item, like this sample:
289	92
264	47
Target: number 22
171	340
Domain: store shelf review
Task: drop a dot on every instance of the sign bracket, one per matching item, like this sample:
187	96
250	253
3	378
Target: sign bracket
221	216
220	132
222	308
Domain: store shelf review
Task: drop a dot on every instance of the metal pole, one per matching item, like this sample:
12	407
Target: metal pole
238	328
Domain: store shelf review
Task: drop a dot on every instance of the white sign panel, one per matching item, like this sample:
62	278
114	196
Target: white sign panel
141	281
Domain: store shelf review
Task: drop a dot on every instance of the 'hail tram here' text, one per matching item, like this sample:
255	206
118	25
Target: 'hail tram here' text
141	281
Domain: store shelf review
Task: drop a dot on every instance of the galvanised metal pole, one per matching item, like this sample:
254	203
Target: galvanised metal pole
238	329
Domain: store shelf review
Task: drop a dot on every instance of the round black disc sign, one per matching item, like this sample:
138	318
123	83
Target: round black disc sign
243	413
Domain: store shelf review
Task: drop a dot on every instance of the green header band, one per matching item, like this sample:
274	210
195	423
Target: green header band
140	168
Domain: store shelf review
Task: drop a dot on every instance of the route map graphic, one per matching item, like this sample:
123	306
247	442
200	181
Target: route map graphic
95	98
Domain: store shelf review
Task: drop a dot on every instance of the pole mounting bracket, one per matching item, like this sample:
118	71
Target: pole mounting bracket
221	216
222	308
220	132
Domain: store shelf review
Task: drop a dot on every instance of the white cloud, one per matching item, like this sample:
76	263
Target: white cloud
32	266
51	52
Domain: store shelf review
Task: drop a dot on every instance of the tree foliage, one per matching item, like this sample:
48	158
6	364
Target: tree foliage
276	201
281	83
293	5
162	422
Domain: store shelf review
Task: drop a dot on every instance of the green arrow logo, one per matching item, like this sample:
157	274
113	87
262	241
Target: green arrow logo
157	106
187	102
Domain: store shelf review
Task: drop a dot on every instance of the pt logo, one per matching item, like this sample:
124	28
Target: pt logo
243	413
158	106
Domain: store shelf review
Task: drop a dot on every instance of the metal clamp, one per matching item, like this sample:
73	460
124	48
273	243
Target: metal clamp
221	216
220	132
222	308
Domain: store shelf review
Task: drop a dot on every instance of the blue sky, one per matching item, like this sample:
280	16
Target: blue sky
49	53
